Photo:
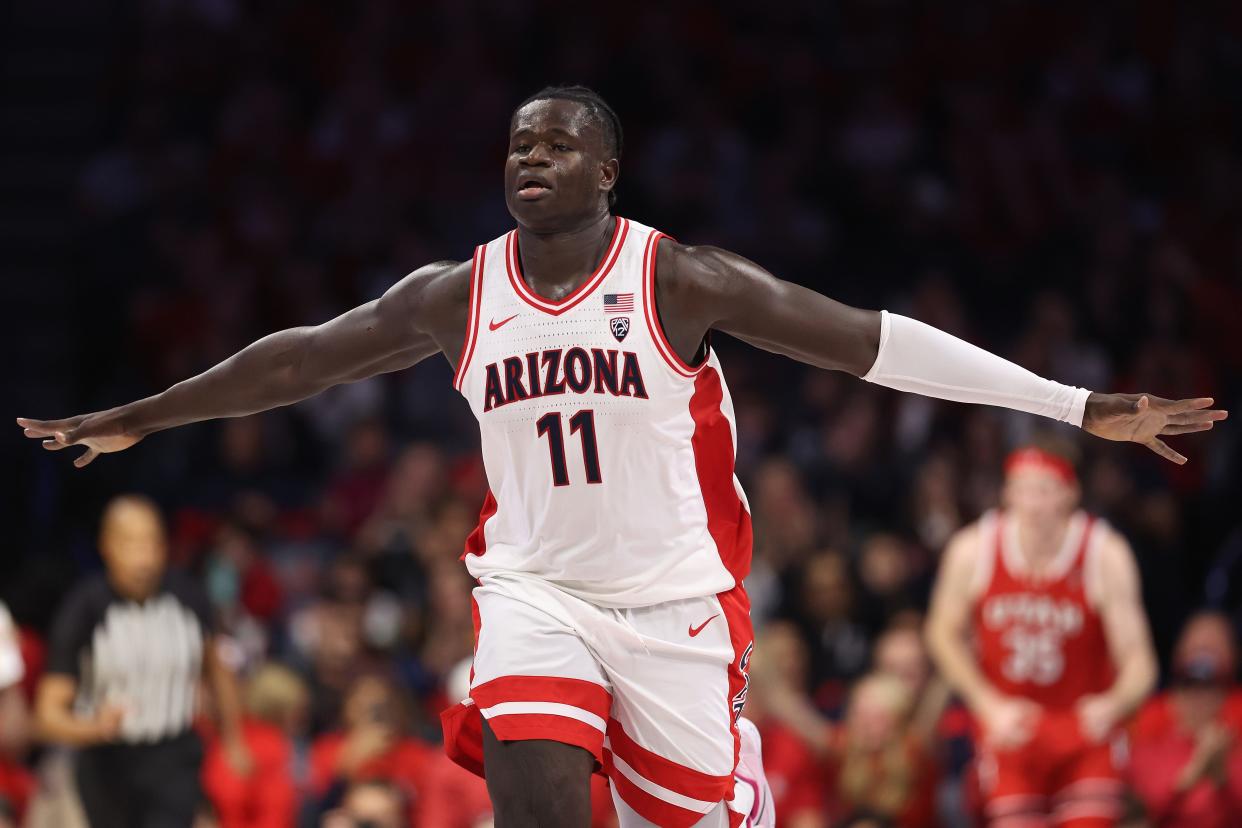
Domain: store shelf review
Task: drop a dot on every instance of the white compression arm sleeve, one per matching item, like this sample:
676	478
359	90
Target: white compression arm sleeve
924	360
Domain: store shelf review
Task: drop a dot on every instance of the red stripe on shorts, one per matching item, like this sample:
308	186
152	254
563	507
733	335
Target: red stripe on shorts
585	695
651	808
665	772
517	727
736	606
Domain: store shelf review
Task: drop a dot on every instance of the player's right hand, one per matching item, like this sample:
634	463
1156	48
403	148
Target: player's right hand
1009	722
108	723
99	433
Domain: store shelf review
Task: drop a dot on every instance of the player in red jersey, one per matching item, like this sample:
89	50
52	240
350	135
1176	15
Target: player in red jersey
560	675
1061	651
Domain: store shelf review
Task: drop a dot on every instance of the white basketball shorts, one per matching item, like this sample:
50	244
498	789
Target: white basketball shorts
652	692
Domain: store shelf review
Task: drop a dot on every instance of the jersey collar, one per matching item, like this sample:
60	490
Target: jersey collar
556	307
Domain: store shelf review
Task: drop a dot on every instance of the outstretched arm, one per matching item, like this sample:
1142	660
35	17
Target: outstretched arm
405	325
700	288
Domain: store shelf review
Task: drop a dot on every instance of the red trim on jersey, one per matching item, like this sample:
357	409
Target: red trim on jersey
472	323
736	606
476	543
1077	559
513	265
652	314
651	808
728	522
665	772
1084	546
579	693
476	622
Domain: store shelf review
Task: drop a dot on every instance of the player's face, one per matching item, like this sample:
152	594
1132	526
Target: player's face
1039	495
557	173
134	550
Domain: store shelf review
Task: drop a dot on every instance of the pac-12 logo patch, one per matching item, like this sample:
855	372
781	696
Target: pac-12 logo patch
620	326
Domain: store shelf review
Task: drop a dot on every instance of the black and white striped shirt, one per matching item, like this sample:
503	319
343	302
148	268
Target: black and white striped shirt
144	657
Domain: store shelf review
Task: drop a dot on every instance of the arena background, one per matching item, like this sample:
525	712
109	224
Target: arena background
1055	181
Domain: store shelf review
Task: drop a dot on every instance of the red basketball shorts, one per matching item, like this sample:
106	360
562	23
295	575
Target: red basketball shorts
1058	778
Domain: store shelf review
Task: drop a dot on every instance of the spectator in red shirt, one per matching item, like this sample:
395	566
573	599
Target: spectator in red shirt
277	705
799	780
453	797
372	745
1186	765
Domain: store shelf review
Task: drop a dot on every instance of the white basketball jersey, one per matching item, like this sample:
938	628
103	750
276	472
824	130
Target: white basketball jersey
609	460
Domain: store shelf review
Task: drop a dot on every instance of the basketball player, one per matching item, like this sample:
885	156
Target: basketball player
1061	652
611	548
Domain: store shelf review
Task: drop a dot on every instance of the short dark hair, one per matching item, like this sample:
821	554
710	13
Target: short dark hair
596	107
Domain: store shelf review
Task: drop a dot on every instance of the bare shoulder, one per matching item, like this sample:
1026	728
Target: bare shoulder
699	286
698	269
963	545
1113	551
435	295
433	288
960	563
957	577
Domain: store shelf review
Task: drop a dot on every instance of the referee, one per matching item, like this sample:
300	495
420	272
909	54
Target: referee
126	655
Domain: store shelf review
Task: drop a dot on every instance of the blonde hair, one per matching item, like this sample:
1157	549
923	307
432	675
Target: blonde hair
273	692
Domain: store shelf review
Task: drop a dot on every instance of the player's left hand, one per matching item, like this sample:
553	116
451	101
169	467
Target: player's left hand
1142	418
1097	716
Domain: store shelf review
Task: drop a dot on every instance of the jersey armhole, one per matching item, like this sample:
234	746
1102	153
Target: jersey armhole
472	319
988	551
1091	578
652	314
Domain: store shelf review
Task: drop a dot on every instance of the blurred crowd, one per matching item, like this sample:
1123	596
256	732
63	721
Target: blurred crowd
1055	181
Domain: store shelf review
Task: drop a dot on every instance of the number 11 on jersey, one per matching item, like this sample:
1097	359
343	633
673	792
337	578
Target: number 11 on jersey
582	423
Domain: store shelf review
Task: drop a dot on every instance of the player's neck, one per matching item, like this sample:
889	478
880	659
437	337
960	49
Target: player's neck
1040	541
554	264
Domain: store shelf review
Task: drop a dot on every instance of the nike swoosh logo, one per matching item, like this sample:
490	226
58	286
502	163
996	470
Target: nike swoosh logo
696	630
493	325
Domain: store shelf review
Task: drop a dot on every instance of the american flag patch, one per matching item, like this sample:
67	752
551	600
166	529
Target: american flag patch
618	303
